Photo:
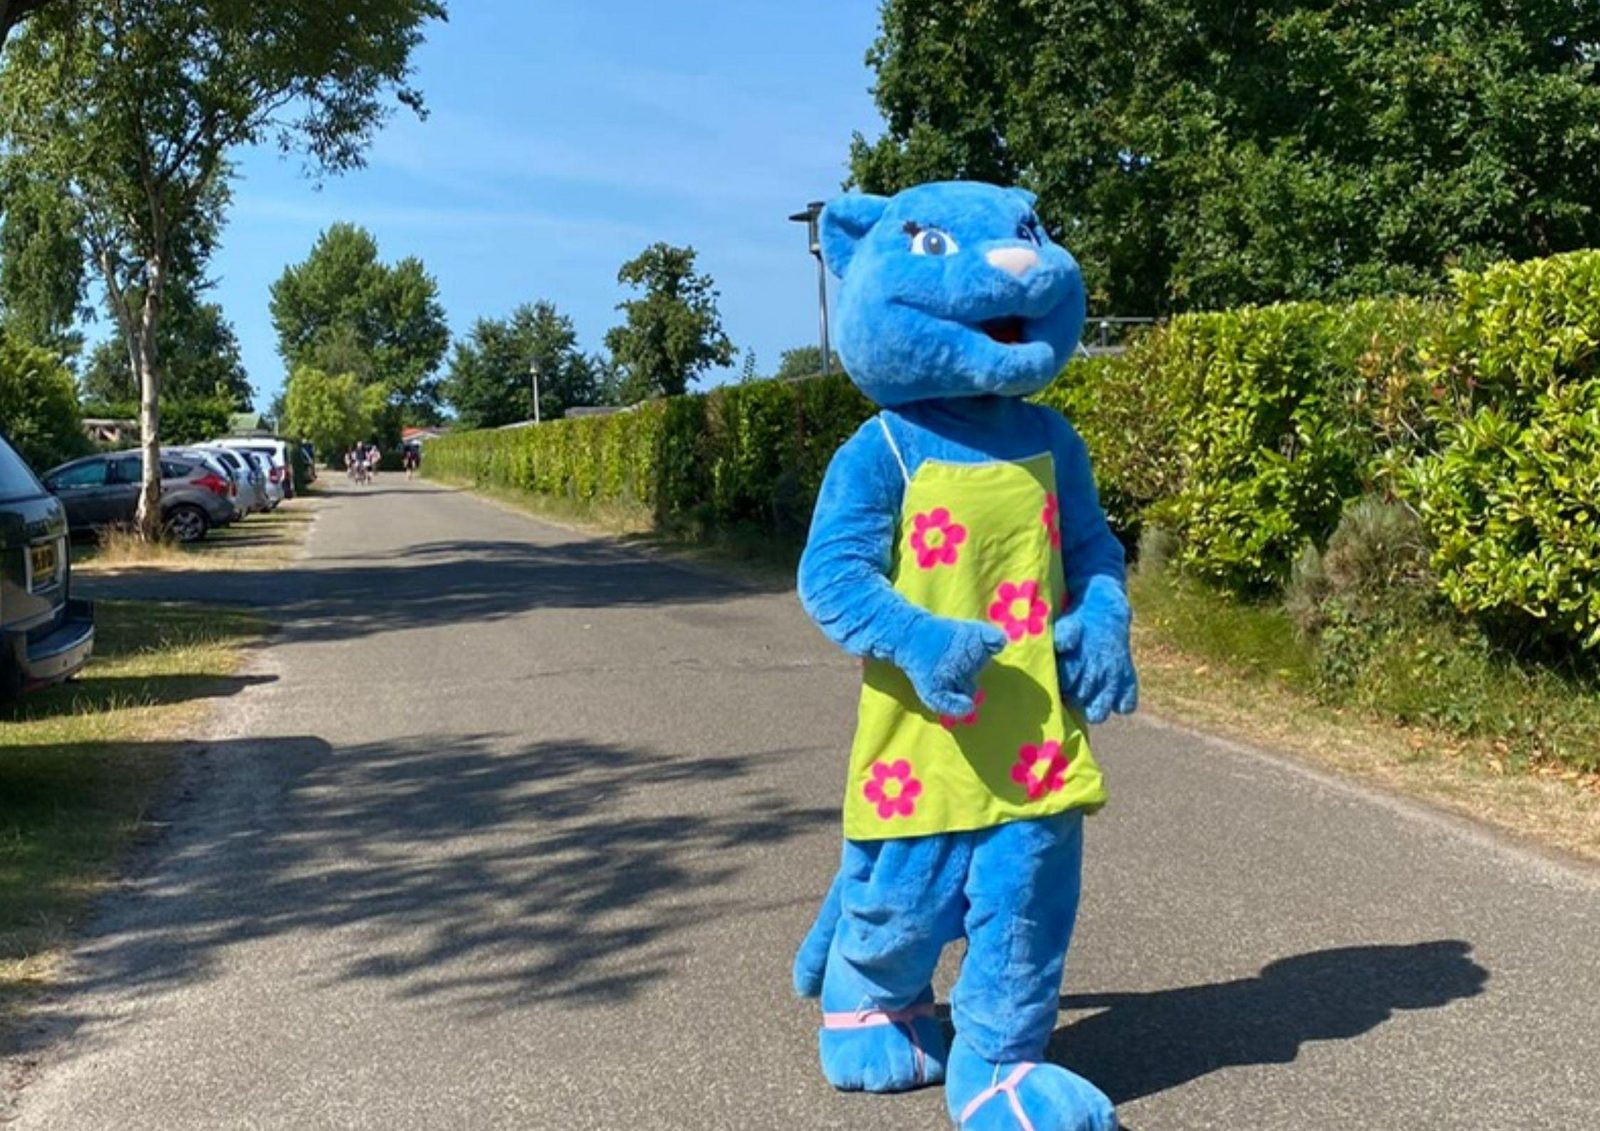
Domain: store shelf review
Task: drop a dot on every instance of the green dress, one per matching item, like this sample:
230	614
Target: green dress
976	542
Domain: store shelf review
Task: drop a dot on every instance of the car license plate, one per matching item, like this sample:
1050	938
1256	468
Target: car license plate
45	561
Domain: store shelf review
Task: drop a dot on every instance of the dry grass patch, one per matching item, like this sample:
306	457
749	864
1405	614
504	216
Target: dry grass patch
1258	702
261	541
81	765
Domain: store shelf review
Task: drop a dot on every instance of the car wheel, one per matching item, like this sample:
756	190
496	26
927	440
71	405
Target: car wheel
187	524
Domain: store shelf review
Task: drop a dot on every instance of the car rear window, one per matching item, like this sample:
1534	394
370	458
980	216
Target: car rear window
171	469
17	480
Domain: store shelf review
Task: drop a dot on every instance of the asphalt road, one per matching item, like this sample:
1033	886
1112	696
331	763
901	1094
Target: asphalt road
515	828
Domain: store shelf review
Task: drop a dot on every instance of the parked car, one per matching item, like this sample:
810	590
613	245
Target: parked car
214	462
275	450
251	476
46	634
103	490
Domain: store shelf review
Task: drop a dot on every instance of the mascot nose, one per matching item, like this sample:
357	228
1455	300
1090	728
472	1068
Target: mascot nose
1016	261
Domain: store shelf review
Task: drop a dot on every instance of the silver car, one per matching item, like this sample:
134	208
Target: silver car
251	478
103	490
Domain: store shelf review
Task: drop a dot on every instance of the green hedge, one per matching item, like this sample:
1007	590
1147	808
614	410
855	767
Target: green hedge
1508	485
1245	433
745	457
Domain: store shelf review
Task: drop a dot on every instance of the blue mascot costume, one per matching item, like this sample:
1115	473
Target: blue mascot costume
959	548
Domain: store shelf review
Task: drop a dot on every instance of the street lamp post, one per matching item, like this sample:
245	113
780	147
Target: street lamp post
809	218
533	374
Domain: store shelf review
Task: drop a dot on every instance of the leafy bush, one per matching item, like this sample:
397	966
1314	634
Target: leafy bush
1266	454
1127	409
1509	489
1372	580
1246	432
38	405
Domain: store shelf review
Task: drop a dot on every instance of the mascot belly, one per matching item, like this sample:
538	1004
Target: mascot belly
959	548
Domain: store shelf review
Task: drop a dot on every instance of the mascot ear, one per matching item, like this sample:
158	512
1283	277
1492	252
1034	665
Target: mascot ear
1028	198
845	222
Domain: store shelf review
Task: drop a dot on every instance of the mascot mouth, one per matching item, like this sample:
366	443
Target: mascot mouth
1006	331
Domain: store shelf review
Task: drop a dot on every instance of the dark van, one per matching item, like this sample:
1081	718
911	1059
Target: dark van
45	635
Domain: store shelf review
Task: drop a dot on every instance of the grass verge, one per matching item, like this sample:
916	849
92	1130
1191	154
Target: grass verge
261	541
81	764
1241	671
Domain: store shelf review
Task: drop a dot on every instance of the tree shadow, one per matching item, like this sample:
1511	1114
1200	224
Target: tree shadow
1143	1043
89	692
467	871
455	583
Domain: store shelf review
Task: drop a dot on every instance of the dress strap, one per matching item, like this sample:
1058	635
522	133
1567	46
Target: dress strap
895	448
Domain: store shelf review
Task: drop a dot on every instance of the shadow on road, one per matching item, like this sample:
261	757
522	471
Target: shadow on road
90	692
457	583
1143	1043
467	871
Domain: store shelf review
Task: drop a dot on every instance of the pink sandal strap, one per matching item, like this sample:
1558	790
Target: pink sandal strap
1008	1086
872	1018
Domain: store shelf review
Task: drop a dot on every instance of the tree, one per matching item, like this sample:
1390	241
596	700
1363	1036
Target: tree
13	12
132	108
490	381
199	350
345	311
673	334
41	262
333	412
1203	155
803	361
38	407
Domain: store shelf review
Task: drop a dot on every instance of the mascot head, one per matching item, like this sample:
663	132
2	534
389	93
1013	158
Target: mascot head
950	290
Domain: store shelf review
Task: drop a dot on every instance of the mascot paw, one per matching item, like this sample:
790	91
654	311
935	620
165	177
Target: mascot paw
878	1051
1017	1095
943	659
1093	660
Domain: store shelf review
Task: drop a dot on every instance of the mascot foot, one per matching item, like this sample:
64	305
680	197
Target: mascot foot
1022	1096
874	1050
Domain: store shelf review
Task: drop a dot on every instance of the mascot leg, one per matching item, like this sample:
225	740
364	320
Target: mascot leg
812	958
1023	897
899	902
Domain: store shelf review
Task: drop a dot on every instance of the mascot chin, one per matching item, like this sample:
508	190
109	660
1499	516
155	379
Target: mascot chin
959	548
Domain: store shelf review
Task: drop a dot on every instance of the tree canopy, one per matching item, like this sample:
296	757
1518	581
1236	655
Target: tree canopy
38	409
132	110
803	361
490	380
333	411
672	334
1196	154
343	310
199	349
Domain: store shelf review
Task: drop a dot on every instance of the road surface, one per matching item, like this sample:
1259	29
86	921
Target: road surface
516	828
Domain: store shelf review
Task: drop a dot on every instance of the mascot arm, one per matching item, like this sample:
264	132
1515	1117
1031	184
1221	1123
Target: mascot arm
1095	663
845	589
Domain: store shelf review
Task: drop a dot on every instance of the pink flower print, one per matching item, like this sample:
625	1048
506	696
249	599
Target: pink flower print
1040	769
1052	519
892	789
950	722
1019	609
936	538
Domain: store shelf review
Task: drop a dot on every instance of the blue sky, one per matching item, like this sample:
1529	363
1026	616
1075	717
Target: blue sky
563	138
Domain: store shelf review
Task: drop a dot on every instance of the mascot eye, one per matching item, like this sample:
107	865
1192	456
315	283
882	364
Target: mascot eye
931	241
1029	230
